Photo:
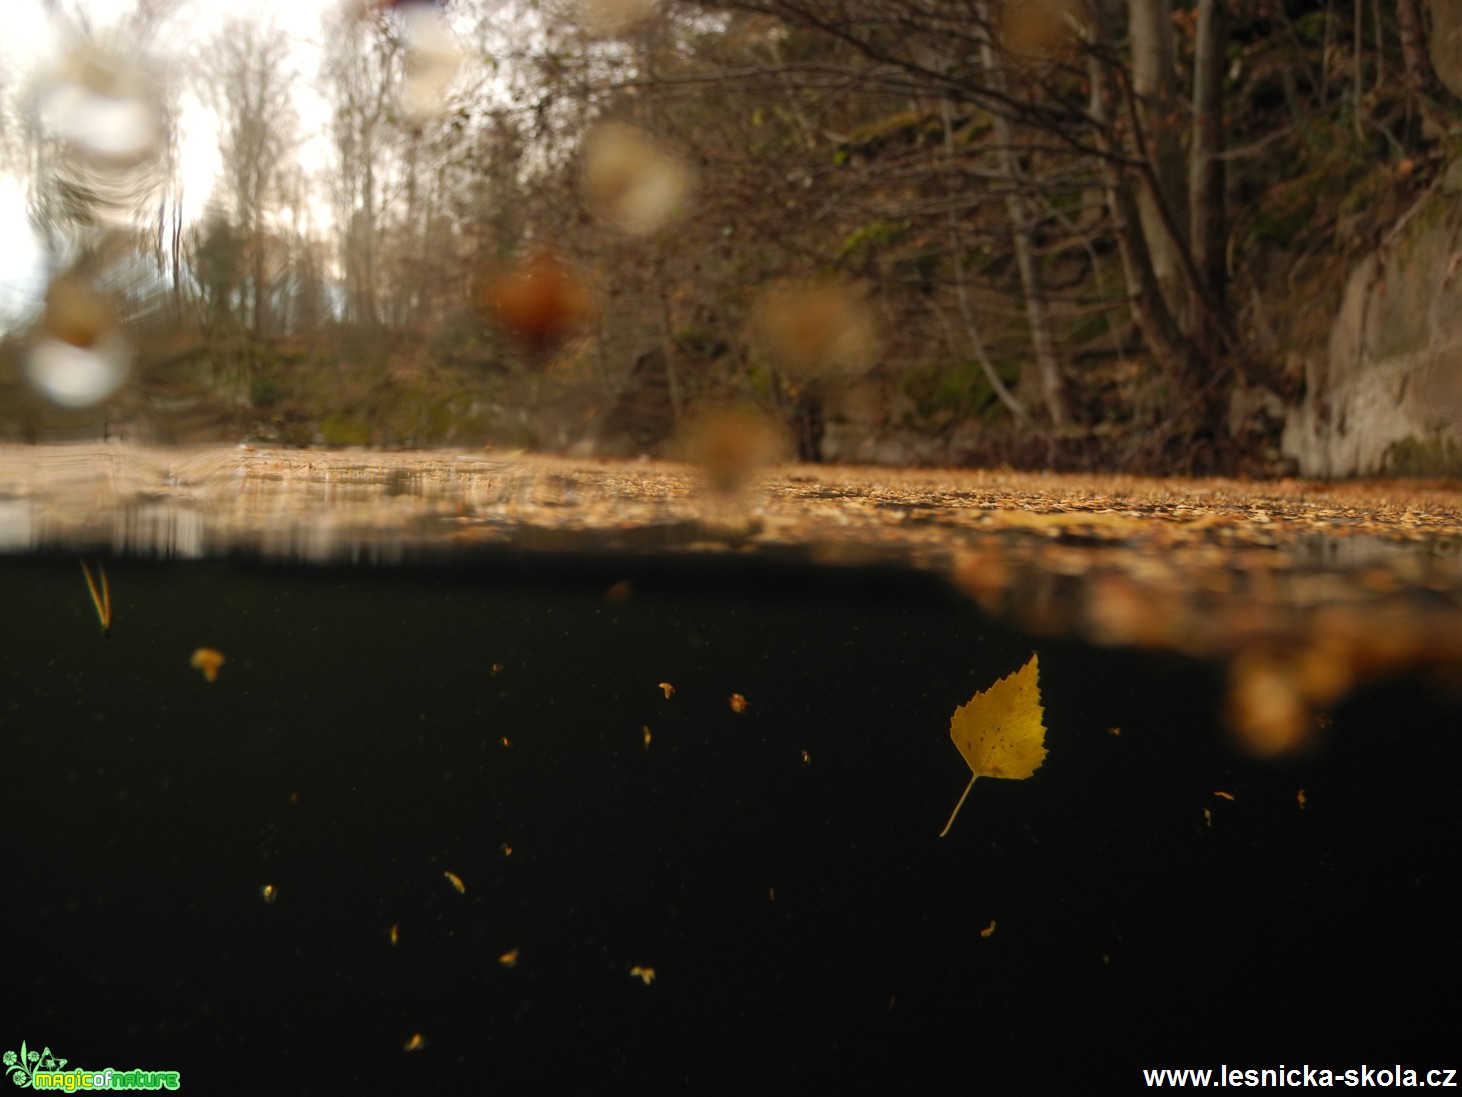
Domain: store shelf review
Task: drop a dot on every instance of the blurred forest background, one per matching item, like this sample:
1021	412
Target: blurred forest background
1054	233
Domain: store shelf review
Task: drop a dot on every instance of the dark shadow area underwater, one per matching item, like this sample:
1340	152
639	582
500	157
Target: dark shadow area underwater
374	729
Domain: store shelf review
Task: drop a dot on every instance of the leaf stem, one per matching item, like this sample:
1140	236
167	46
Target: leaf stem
973	778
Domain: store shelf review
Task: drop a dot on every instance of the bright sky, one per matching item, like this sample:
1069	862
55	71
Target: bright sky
28	45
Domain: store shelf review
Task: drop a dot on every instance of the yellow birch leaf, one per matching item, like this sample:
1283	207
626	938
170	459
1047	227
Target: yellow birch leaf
1000	732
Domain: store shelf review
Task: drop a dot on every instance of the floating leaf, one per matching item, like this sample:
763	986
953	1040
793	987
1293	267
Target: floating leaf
1000	731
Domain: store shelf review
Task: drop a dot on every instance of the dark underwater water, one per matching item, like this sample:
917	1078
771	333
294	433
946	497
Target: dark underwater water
805	924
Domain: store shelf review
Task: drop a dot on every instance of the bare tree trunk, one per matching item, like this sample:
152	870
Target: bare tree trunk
1017	204
961	291
667	343
251	89
1170	348
1444	46
1159	112
367	288
1207	227
1357	83
176	254
1421	80
259	312
359	70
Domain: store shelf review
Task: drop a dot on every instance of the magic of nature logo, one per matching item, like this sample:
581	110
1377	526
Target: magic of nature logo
30	1069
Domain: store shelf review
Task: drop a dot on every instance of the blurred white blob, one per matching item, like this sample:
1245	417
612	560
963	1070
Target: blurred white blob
817	329
102	109
432	59
79	356
77	377
630	182
606	18
103	103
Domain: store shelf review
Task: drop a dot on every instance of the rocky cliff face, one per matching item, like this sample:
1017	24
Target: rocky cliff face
1386	396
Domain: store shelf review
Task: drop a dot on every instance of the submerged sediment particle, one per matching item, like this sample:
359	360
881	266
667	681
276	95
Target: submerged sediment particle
208	661
646	975
456	882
